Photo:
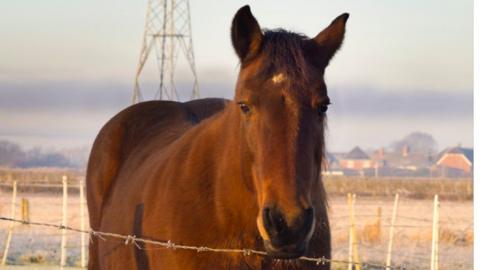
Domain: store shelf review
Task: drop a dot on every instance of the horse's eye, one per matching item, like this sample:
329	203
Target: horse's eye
322	108
244	107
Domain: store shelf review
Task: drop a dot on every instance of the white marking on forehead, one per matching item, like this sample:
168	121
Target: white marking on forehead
278	78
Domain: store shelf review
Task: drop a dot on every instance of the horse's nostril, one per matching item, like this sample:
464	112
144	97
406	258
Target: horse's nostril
278	221
266	218
309	216
309	219
281	232
274	222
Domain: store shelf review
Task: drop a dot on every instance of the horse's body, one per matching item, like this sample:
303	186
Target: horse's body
152	178
186	172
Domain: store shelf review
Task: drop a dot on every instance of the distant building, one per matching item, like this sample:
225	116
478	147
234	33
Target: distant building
404	163
455	162
331	165
330	162
356	160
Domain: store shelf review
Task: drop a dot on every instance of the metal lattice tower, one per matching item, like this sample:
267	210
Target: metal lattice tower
168	32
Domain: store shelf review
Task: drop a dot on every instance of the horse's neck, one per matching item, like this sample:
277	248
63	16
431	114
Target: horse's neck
234	197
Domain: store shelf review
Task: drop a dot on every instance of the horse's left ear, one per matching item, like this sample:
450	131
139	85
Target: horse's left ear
246	34
331	38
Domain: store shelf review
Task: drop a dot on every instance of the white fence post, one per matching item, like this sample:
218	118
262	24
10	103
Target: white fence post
83	263
435	234
10	227
64	223
350	235
353	244
390	236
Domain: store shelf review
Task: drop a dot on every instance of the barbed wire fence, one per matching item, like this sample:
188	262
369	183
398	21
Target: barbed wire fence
365	246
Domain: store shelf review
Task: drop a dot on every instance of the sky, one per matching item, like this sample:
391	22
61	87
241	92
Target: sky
66	67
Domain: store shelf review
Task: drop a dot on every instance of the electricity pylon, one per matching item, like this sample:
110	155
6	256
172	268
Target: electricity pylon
168	32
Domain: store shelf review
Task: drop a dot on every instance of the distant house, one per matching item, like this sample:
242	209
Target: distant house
403	163
331	165
455	161
330	162
357	160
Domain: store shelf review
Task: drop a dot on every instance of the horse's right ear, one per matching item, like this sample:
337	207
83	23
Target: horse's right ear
331	38
246	33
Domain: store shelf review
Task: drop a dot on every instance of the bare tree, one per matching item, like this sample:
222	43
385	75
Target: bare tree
10	153
417	142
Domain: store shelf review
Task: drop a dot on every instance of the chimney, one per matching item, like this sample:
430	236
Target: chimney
381	153
405	150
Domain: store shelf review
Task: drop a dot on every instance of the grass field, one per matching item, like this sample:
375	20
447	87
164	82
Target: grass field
40	247
412	237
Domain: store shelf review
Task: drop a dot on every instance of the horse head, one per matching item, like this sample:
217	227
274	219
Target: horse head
282	102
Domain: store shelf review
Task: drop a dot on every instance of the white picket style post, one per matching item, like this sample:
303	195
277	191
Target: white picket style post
83	261
391	233
435	234
10	227
63	252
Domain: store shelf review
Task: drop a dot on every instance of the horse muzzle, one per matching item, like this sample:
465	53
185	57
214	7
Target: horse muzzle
282	239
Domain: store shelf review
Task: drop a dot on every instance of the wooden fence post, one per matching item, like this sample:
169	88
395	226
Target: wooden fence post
356	258
83	262
378	225
25	210
353	259
390	236
435	234
64	223
10	227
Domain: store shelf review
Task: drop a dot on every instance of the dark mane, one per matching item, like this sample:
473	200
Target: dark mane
283	51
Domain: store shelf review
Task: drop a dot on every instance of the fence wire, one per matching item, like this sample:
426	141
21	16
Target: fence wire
413	252
133	240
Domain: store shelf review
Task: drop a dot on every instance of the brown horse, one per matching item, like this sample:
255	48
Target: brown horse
222	174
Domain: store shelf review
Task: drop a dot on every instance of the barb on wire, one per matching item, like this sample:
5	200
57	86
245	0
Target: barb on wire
132	239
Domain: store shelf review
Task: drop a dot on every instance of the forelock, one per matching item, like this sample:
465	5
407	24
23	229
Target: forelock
283	54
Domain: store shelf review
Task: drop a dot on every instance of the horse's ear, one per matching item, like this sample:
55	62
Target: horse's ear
246	33
331	38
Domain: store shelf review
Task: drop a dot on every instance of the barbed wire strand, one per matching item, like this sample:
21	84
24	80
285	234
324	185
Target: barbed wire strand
132	239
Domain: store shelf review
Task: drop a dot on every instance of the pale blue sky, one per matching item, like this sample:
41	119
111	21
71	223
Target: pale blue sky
409	62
